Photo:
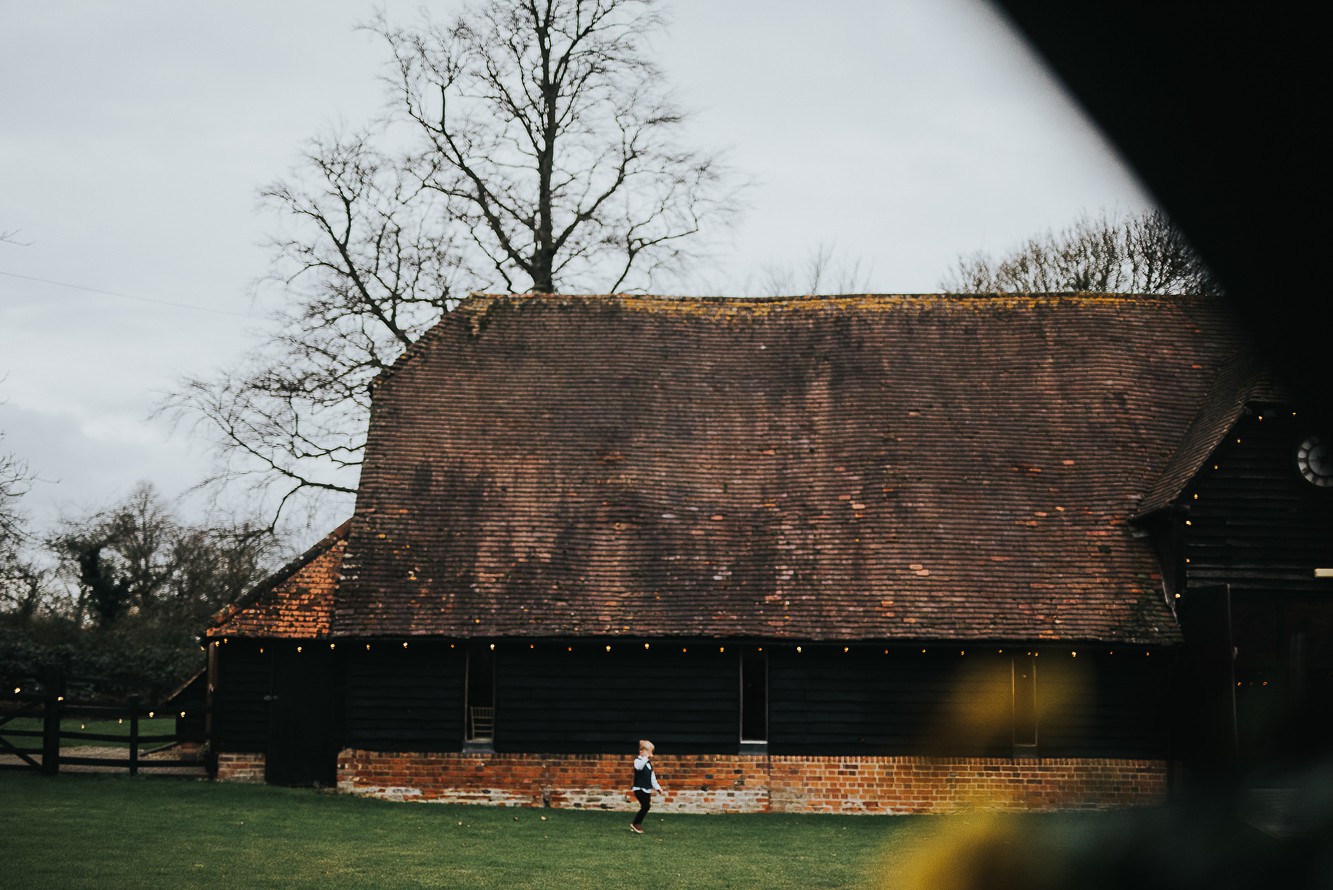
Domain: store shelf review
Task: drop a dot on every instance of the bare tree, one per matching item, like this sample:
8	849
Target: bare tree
1141	254
544	123
137	561
369	263
18	577
130	591
526	145
14	481
821	271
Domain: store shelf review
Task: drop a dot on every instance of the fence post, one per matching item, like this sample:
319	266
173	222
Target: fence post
210	710
51	714
135	703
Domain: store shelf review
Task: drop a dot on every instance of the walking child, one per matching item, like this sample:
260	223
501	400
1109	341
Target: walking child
645	783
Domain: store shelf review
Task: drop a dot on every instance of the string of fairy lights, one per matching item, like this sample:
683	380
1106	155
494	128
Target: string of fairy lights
1259	682
120	721
608	648
798	649
801	648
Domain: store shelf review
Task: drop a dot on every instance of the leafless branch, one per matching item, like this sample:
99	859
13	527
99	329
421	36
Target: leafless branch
1142	254
526	144
821	271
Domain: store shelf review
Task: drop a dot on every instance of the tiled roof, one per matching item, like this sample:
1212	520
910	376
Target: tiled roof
1239	382
879	467
296	602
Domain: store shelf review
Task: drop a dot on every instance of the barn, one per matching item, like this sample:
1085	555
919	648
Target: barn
869	554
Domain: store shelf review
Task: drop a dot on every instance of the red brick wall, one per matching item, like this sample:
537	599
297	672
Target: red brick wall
240	768
758	783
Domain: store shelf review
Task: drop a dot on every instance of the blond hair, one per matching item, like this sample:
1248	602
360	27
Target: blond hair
645	745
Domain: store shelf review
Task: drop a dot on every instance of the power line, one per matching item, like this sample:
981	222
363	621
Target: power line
111	293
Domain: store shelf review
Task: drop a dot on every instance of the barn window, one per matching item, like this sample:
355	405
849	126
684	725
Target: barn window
754	697
480	694
1025	701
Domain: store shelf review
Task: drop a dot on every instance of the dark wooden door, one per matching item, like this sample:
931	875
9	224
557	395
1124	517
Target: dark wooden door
1206	712
1284	676
302	749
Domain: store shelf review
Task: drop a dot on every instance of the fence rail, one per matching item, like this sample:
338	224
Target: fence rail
50	707
26	705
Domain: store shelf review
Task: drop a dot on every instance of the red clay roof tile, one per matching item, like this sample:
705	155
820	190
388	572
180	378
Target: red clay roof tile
294	603
878	467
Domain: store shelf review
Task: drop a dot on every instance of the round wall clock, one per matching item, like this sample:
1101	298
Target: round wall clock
1314	458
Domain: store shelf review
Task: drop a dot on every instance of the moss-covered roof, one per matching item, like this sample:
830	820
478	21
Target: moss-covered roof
857	467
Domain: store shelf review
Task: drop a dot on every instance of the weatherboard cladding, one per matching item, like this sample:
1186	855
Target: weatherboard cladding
879	467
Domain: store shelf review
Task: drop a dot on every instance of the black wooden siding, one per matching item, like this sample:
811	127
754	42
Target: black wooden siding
822	701
1248	533
1253	521
960	702
241	711
550	699
404	699
192	701
867	700
1104	705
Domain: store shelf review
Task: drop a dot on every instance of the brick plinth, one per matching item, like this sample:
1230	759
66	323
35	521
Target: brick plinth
758	783
240	768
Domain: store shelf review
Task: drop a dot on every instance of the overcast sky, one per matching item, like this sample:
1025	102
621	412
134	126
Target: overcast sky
902	132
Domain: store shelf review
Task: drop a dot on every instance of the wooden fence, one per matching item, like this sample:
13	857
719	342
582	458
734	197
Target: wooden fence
43	750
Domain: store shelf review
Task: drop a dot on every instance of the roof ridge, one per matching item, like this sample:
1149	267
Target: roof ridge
476	305
802	300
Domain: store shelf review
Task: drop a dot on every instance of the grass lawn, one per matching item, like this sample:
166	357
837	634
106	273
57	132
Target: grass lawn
105	831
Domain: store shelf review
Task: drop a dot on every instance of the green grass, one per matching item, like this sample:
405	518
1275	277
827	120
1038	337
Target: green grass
147	727
104	831
74	831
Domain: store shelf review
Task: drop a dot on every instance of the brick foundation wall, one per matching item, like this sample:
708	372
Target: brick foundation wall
240	768
758	783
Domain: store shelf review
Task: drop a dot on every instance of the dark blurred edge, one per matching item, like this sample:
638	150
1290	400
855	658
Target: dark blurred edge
1215	106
